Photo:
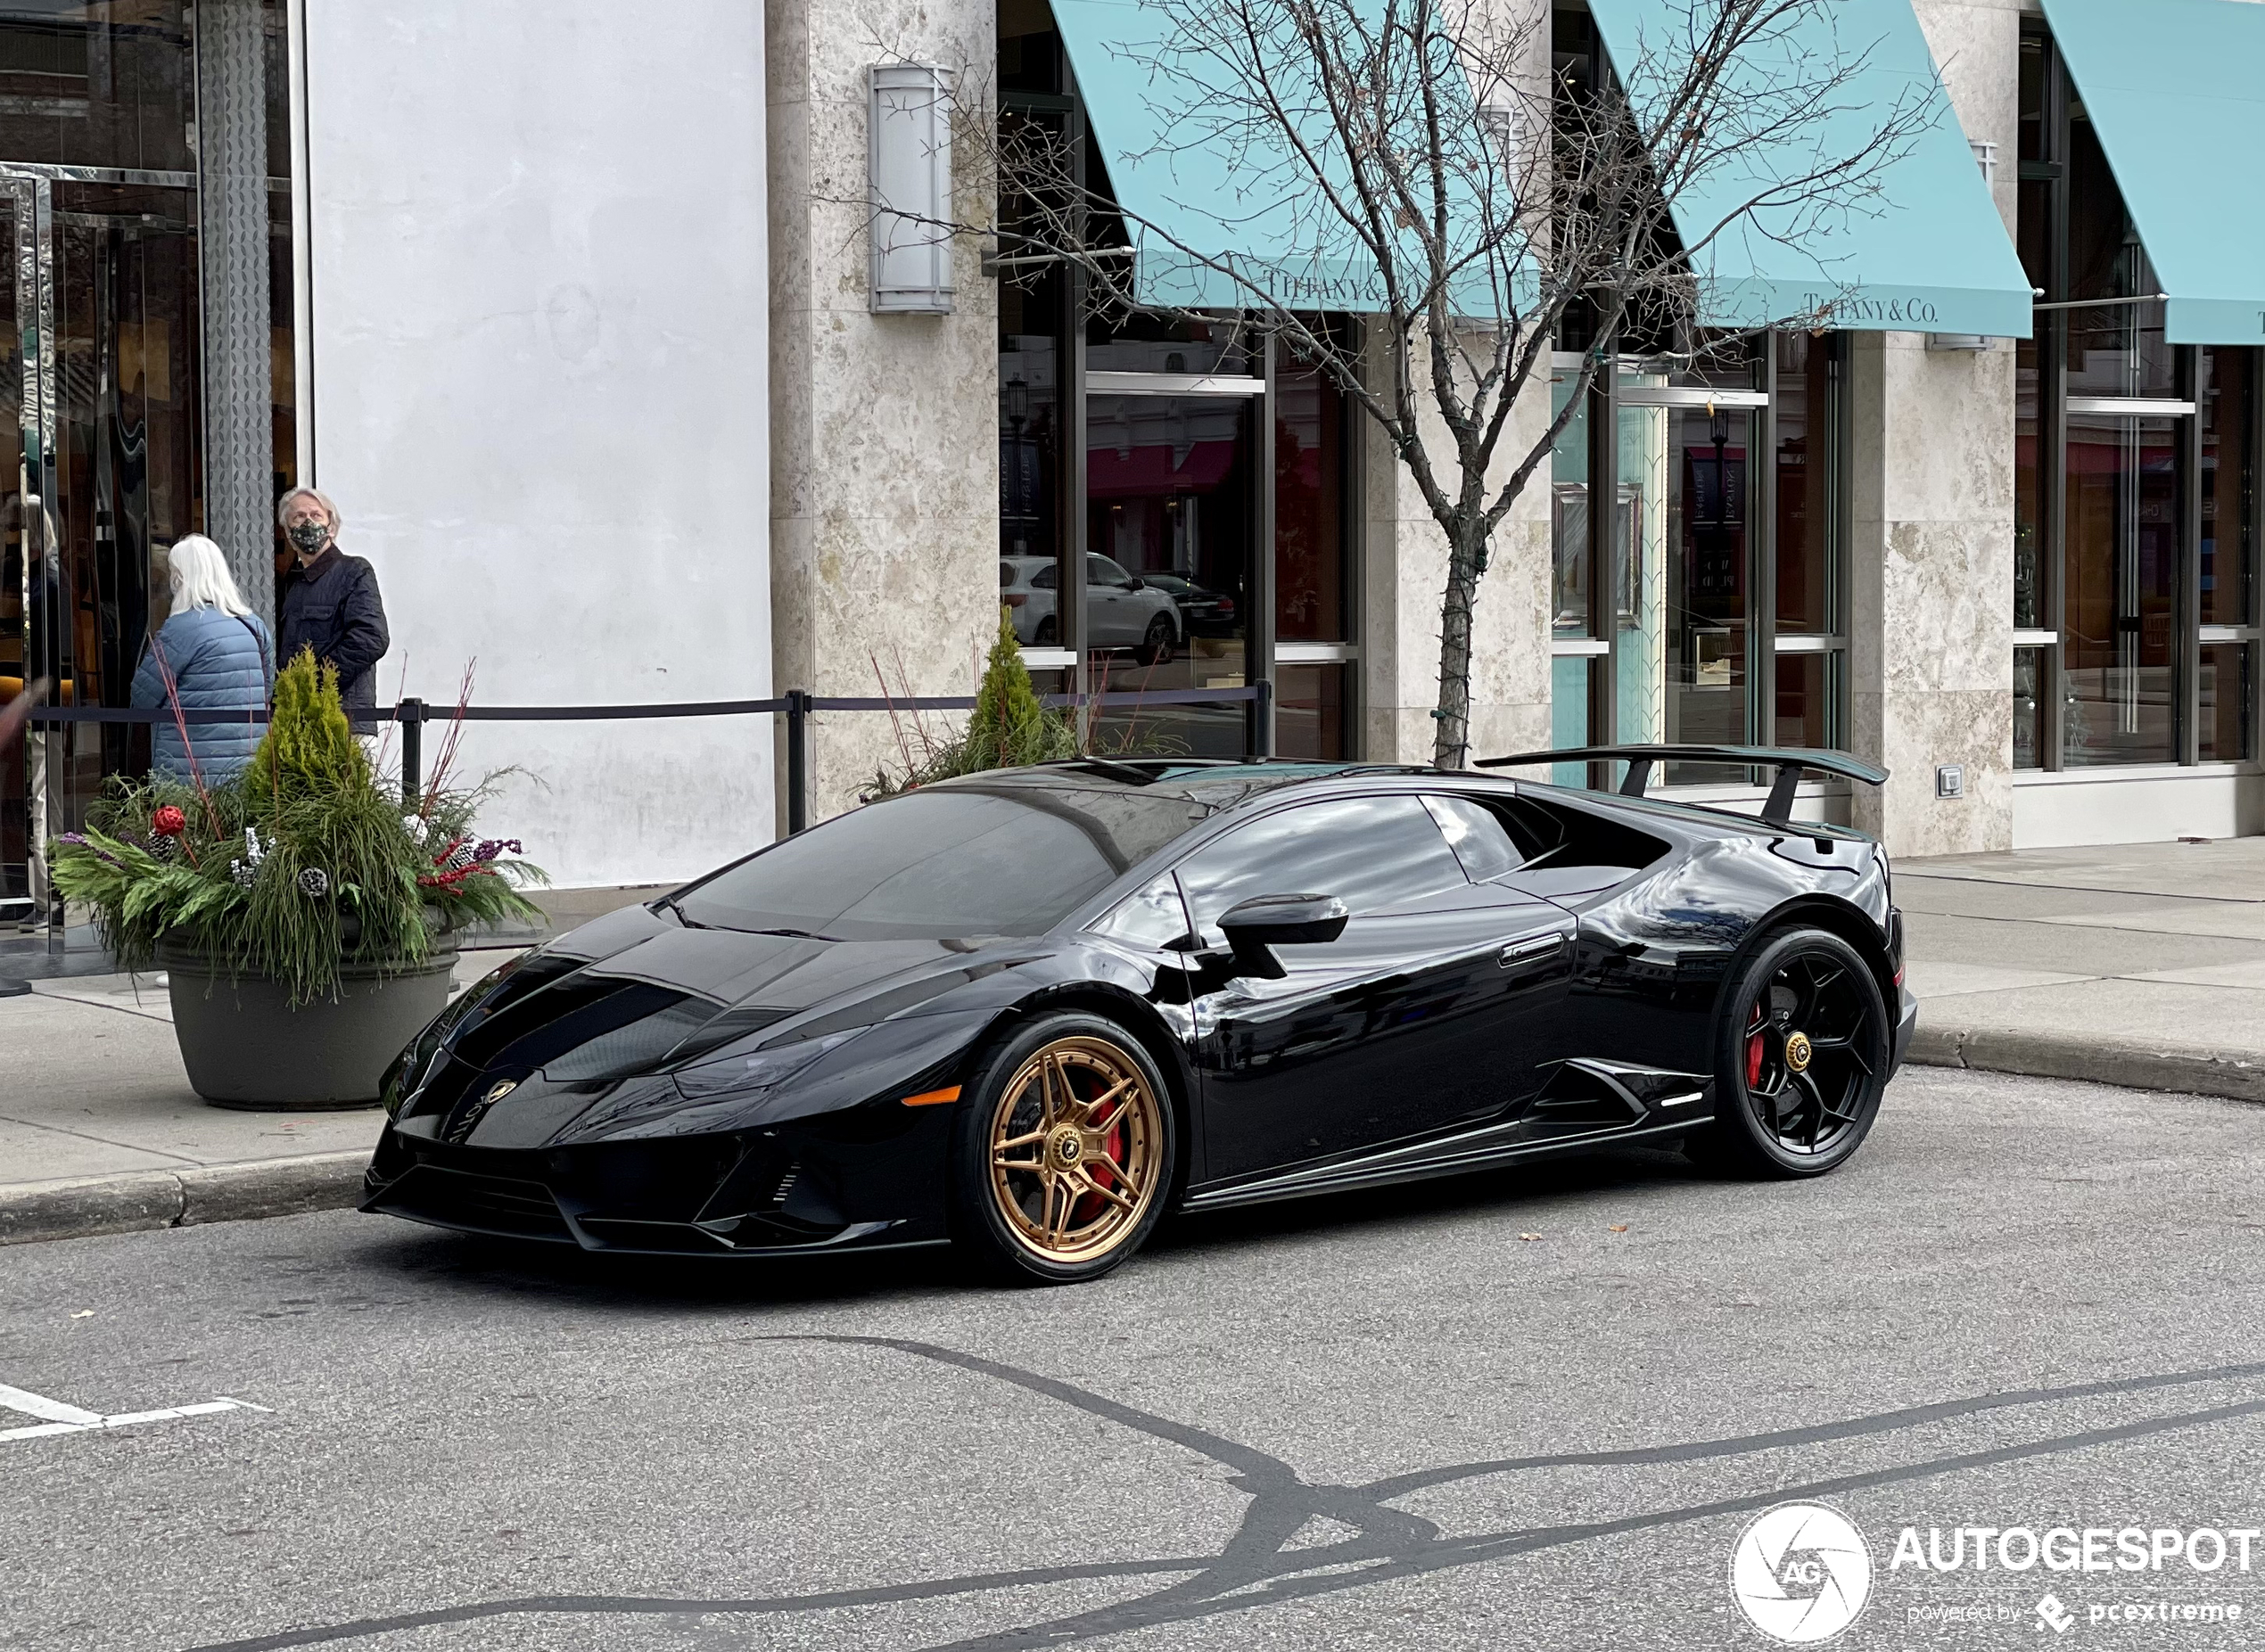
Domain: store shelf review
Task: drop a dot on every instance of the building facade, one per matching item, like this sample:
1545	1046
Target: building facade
2017	571
581	317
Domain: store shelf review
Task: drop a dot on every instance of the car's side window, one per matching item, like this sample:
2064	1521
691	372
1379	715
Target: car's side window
1044	578
1376	854
1101	571
1477	836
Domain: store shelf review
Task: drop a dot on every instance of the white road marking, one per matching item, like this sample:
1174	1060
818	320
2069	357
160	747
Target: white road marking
70	1419
54	1411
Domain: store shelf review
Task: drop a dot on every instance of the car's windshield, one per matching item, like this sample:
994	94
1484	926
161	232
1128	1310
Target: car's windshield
1006	859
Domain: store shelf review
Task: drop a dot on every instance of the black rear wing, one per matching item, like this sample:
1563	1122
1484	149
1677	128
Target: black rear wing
1790	764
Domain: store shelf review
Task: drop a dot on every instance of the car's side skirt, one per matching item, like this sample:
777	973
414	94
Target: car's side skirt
1454	1155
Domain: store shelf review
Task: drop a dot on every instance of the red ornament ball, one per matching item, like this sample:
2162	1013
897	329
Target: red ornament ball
168	822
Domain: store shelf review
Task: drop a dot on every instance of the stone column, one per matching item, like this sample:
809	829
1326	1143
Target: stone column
884	428
1931	561
1404	569
232	188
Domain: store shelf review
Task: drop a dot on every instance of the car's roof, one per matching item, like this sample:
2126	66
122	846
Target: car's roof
1217	784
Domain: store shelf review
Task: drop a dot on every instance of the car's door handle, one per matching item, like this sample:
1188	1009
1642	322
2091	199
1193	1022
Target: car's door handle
1533	947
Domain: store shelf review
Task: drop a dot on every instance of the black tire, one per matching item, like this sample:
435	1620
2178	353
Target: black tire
1800	1060
1045	633
1156	647
1052	1182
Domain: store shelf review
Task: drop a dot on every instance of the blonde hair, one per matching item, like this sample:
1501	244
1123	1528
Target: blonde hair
200	578
282	507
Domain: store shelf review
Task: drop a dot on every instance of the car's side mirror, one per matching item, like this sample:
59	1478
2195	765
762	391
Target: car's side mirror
1255	926
1133	584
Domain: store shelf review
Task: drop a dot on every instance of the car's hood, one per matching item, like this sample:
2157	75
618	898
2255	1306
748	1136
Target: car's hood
637	990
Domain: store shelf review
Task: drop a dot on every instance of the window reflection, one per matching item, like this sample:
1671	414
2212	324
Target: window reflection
1801	413
1309	502
1170	512
1309	711
1706	573
2120	573
2228	696
102	86
2229	412
2116	349
1142	343
2029	706
1376	854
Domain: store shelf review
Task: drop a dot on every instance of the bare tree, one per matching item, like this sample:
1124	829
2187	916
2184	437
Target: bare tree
1419	163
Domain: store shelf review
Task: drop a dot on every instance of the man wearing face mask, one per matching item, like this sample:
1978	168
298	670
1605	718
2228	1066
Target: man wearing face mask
329	602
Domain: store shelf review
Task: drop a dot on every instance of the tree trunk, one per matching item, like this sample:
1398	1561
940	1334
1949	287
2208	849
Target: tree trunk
1451	742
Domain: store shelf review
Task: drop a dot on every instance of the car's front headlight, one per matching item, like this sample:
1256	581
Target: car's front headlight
741	1071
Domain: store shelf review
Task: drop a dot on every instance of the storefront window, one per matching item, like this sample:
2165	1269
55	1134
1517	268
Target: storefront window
1174	490
111	468
2119	576
1309	502
1713	614
2140	610
1707	574
2113	350
1170	494
1144	344
98	85
2228	411
1030	464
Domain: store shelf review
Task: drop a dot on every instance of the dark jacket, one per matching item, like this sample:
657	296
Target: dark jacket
331	606
219	663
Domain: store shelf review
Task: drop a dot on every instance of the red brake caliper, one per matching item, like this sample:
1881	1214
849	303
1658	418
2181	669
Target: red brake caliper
1754	1050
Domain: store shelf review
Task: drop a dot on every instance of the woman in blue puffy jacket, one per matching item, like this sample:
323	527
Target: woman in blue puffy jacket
221	656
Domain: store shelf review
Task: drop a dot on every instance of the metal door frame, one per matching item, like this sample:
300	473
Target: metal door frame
31	198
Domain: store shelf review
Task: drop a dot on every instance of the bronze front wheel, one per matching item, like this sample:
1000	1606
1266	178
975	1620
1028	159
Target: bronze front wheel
1067	1155
1073	1149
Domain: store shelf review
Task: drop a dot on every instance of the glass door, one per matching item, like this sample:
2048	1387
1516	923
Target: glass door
100	384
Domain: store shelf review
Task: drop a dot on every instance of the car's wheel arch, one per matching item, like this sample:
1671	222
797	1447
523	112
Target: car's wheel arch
1136	1016
1835	917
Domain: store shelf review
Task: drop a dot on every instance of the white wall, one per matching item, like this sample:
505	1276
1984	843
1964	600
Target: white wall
541	398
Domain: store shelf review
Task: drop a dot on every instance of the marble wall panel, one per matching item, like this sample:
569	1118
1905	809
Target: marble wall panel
1405	573
1910	734
884	507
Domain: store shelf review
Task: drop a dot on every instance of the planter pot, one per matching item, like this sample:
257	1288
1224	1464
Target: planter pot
245	1047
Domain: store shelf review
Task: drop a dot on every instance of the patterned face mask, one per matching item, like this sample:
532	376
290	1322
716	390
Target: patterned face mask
309	537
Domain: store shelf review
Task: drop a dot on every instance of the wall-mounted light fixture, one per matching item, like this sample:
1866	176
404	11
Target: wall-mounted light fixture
909	170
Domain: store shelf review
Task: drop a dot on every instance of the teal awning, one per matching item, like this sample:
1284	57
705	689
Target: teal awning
1927	252
2175	90
1203	180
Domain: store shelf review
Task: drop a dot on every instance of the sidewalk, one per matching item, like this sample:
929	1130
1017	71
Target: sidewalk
2142	967
101	1133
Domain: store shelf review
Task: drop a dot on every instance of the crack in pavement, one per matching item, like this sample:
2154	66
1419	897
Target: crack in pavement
1256	1567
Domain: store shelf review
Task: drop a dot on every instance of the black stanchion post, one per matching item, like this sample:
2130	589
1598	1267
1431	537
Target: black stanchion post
1262	721
797	759
411	713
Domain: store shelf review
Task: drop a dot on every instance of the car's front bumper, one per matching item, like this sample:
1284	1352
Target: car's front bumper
773	1192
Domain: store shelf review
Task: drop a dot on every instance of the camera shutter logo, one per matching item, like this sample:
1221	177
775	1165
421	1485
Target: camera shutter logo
1801	1573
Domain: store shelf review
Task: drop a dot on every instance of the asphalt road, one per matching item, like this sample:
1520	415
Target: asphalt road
1532	1410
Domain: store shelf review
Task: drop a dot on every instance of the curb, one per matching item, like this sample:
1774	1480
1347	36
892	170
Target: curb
2237	1075
143	1200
